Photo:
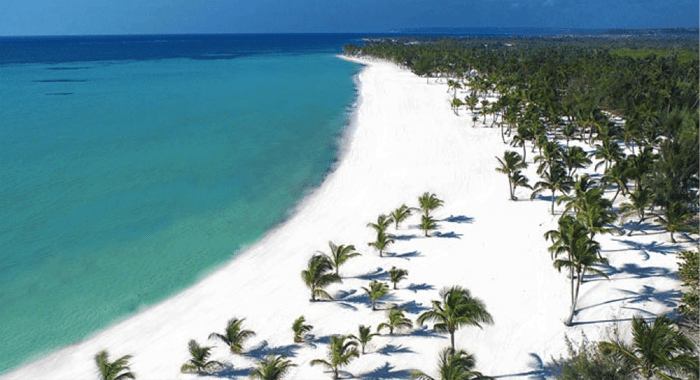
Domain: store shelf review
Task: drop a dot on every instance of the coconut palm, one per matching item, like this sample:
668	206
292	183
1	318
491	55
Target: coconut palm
553	180
234	336
199	363
116	370
471	102
396	320
618	174
551	153
575	158
375	291
569	131
427	224
658	350
399	215
455	104
675	219
608	152
341	351
300	329
318	275
272	367
453	365
457	308
340	254
396	275
429	202
639	201
512	162
590	207
383	222
382	242
365	335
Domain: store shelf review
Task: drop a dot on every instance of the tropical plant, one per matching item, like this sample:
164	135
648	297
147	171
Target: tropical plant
427	224
675	219
639	201
456	103
272	367
456	308
554	180
588	362
552	152
340	254
429	202
590	207
383	222
512	163
609	152
234	336
199	362
395	320
400	214
453	365
382	242
575	158
364	336
688	273
341	351
300	329
318	275
375	291
658	350
396	275
116	370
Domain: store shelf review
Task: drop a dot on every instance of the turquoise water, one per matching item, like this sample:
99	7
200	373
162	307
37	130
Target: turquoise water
125	182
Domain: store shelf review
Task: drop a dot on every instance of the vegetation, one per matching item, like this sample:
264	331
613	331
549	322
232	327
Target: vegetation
510	165
688	272
395	320
457	308
382	242
199	363
364	336
340	254
318	275
341	351
116	370
589	362
375	291
381	225
300	329
427	224
454	365
272	368
400	214
234	336
396	275
429	202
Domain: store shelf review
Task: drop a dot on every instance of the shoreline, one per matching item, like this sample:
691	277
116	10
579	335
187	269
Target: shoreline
402	140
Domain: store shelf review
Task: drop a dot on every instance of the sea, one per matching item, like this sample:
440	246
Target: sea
133	166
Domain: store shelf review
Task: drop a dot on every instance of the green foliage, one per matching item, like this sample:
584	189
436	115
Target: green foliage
318	275
272	367
234	336
340	254
375	291
199	363
383	222
688	272
116	370
427	224
364	336
395	320
511	164
382	242
341	351
300	329
454	365
429	202
396	275
400	214
588	362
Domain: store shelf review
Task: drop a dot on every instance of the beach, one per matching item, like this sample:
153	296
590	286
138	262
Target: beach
403	140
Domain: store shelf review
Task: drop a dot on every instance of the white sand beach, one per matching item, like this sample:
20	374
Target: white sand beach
404	140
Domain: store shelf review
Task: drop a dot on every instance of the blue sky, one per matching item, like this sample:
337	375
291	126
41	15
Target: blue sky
80	17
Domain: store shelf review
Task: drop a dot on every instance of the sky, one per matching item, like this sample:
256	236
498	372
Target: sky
97	17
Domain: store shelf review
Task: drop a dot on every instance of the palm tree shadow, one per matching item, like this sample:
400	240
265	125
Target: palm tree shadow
391	349
645	228
312	341
459	219
646	248
540	370
363	299
229	372
263	349
632	269
378	274
406	255
647	293
386	372
425	332
450	235
413	307
404	237
416	287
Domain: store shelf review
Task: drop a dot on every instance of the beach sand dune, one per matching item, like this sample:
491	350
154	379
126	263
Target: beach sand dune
404	140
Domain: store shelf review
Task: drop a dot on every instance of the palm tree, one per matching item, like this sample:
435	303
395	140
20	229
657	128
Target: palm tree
454	366
318	275
272	368
569	131
551	153
364	336
456	309
383	222
675	218
510	164
399	215
455	104
608	153
340	254
554	180
575	158
396	275
429	202
657	351
427	223
376	291
234	336
471	102
116	370
300	329
199	363
383	241
396	320
640	200
341	350
617	175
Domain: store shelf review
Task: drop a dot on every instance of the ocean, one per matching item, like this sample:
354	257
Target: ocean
133	166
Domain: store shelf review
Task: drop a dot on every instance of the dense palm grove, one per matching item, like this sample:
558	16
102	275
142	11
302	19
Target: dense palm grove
636	108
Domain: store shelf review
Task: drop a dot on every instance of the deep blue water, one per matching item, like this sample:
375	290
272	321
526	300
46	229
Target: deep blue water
133	166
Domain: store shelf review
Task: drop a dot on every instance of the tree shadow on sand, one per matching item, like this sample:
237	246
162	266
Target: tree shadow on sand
406	255
416	287
539	370
377	274
459	219
355	297
449	235
387	371
425	332
631	270
646	249
404	237
391	349
646	294
264	349
413	307
230	372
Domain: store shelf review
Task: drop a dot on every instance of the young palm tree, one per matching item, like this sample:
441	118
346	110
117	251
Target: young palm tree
640	200
590	207
511	163
376	291
382	242
340	254
318	275
300	329
618	174
116	370
608	153
272	368
675	219
199	363
657	351
341	351
575	158
455	104
553	180
551	152
383	222
364	336
399	215
396	275
456	309
453	366
429	202
396	320
569	131
234	336
427	224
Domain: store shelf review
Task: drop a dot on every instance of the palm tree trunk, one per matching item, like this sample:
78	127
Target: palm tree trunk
574	295
552	202
452	340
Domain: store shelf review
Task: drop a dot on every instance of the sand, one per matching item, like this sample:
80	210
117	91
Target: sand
404	140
